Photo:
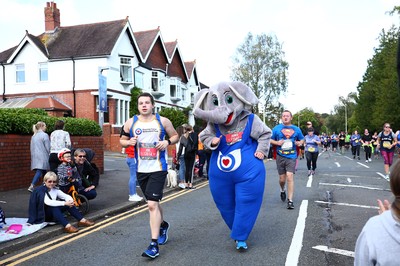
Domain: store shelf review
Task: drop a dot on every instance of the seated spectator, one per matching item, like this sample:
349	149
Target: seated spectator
47	203
88	173
68	175
378	242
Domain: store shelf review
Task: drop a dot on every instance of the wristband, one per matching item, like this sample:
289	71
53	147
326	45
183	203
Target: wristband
169	142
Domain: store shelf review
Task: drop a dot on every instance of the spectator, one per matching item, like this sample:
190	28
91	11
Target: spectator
40	148
88	173
378	242
180	160
132	164
59	139
190	141
68	176
47	203
202	157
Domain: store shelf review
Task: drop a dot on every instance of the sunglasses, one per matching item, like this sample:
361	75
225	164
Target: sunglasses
51	181
387	126
82	156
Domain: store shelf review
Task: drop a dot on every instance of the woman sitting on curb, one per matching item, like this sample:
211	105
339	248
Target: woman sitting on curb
48	203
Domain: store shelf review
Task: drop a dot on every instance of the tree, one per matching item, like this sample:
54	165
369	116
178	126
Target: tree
259	63
176	116
133	107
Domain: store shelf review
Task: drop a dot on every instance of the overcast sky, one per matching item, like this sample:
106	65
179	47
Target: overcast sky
327	42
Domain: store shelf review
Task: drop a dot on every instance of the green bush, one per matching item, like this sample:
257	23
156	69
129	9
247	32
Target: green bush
21	121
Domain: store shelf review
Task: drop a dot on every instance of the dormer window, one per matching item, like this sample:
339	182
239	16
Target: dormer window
20	73
126	69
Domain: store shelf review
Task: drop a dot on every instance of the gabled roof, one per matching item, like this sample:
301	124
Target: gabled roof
146	41
171	47
190	68
88	40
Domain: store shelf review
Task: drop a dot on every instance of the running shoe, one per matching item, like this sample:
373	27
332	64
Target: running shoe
163	238
290	205
370	160
181	185
309	172
366	161
358	157
312	172
135	197
151	251
283	195
241	245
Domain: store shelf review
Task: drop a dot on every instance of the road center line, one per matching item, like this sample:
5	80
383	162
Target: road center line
366	166
338	164
347	204
335	250
309	182
354	186
292	257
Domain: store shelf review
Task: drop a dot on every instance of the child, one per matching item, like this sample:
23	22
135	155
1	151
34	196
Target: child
67	173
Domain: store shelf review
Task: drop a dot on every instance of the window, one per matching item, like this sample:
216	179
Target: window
20	73
154	81
126	69
43	72
183	95
139	80
172	90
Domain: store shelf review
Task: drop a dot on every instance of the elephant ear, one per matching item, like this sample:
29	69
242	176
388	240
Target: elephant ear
244	93
200	100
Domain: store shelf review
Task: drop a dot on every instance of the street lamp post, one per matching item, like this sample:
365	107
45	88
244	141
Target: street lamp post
298	119
345	116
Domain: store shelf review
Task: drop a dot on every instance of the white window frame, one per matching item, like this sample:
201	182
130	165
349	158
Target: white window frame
154	81
125	69
43	72
20	73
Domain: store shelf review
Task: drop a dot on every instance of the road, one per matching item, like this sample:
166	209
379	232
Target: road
330	210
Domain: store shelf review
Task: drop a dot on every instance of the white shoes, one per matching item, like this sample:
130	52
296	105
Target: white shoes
30	189
181	185
370	160
135	197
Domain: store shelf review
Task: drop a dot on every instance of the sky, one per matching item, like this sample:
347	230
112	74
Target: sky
327	43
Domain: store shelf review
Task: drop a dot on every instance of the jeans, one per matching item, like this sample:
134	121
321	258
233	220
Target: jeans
56	213
182	168
202	161
132	175
89	194
39	173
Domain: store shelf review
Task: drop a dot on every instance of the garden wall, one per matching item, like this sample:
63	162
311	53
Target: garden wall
15	158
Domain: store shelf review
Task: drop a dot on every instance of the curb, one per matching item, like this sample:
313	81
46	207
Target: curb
56	230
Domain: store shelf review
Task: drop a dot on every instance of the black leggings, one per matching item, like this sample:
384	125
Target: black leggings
189	165
355	149
368	151
311	160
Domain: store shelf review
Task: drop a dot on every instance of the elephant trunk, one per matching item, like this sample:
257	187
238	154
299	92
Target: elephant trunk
218	115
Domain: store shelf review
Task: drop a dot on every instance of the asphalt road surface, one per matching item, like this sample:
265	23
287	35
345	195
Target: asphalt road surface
331	208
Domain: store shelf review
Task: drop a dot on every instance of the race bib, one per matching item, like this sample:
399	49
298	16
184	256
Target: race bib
386	144
287	145
234	137
147	151
311	149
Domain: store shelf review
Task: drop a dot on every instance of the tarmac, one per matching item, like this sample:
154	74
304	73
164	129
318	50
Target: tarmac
112	199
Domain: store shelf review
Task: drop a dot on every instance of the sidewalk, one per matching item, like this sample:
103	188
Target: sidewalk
112	198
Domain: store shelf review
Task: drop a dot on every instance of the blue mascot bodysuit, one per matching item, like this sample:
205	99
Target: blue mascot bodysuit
237	187
239	141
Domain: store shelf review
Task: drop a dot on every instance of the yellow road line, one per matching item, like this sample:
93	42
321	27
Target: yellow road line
63	240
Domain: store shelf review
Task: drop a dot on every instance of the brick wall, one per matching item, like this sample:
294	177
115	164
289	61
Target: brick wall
15	158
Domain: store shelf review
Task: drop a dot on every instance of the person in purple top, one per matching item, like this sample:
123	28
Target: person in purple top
355	141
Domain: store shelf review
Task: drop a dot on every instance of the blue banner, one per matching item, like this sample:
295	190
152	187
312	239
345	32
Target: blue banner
102	93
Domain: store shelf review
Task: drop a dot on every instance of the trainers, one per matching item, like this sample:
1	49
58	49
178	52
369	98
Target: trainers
30	189
387	177
135	197
290	204
366	161
241	245
369	160
163	238
312	172
181	185
151	251
283	195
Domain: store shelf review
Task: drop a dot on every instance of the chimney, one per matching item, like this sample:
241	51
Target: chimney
51	17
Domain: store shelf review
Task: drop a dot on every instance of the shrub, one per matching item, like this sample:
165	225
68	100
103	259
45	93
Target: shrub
21	121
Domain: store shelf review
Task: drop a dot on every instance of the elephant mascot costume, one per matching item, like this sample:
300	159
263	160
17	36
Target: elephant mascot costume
239	140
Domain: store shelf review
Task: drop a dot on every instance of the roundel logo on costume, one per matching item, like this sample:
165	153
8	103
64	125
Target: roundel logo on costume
229	162
138	131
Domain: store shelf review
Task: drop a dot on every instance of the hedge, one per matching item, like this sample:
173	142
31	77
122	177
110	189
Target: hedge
21	121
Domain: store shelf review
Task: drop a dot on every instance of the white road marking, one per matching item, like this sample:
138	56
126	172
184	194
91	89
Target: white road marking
348	158
309	182
335	175
338	164
366	166
349	180
335	250
292	257
347	204
354	186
